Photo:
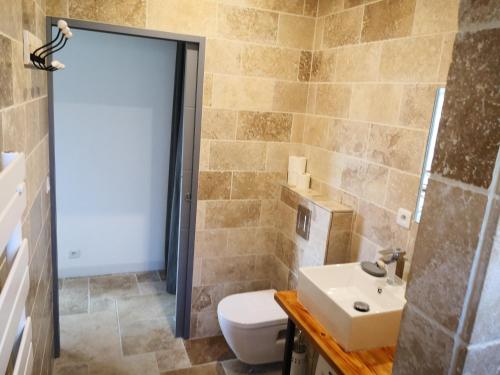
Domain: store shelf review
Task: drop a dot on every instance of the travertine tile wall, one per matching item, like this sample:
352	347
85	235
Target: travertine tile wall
329	236
257	65
450	323
24	128
348	83
375	69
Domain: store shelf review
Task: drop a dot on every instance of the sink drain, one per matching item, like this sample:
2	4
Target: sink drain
361	306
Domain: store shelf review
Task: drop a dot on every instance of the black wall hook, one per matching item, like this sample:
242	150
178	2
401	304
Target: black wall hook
38	57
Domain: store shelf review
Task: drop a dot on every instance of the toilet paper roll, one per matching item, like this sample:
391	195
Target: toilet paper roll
297	164
303	181
292	178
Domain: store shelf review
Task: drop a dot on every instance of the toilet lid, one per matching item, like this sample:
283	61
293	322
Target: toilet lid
252	310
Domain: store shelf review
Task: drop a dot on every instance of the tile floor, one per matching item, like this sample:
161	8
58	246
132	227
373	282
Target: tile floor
123	325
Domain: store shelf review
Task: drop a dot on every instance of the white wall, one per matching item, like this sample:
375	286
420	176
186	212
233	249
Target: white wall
113	109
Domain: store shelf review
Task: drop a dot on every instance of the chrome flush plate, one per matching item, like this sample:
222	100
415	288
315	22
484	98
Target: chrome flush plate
303	222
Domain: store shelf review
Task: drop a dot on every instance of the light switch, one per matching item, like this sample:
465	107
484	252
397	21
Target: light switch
404	218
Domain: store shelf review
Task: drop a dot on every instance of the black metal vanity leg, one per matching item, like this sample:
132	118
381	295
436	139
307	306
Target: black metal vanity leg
290	336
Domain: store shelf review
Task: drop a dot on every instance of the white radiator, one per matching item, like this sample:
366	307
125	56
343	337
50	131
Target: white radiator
15	327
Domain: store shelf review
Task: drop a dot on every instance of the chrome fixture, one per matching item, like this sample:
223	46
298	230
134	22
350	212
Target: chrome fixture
394	260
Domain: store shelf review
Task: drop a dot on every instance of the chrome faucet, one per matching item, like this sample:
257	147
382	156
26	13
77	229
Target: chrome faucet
394	260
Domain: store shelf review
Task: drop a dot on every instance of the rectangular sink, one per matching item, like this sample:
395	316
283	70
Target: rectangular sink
329	293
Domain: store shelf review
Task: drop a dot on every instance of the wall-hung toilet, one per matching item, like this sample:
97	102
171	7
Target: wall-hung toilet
253	325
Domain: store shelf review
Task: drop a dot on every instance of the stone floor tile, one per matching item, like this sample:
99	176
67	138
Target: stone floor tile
208	349
113	286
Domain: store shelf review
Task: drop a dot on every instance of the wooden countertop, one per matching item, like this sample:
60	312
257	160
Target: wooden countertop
377	361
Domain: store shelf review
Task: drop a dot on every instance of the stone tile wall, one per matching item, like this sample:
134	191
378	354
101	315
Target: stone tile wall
24	128
257	63
329	236
450	323
376	66
350	84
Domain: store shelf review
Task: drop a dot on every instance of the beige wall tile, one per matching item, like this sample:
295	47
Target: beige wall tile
6	85
214	185
245	241
290	97
278	153
10	18
387	19
311	8
312	93
397	147
316	131
379	226
237	156
218	124
446	54
246	24
402	191
358	63
296	32
204	154
348	137
13	129
417	106
365	180
85	9
333	100
242	93
129	12
280	63
435	16
21	77
287	6
297	128
189	16
329	6
57	8
264	126
323	66
419	335
223	56
305	66
414	59
231	214
448	237
342	28
228	269
377	103
208	83
325	165
255	185
363	249
318	33
211	243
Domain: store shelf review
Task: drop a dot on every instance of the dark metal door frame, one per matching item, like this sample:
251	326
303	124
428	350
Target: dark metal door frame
191	129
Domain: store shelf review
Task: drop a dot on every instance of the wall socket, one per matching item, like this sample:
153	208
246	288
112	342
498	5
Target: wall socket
74	254
404	218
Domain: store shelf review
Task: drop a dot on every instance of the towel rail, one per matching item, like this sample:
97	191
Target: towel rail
15	327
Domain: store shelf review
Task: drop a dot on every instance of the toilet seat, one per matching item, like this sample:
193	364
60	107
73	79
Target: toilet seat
252	310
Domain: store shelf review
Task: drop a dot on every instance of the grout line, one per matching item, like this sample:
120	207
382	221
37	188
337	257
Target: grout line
472	279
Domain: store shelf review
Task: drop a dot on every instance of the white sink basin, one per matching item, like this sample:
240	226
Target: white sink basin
329	293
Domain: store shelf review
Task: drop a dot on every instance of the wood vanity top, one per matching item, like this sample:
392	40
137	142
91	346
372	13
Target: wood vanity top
377	361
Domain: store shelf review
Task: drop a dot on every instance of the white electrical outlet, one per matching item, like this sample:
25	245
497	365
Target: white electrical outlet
74	254
404	218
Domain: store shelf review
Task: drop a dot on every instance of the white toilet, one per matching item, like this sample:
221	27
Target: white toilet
253	325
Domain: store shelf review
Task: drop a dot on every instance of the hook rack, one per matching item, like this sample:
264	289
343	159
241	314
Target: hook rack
38	56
